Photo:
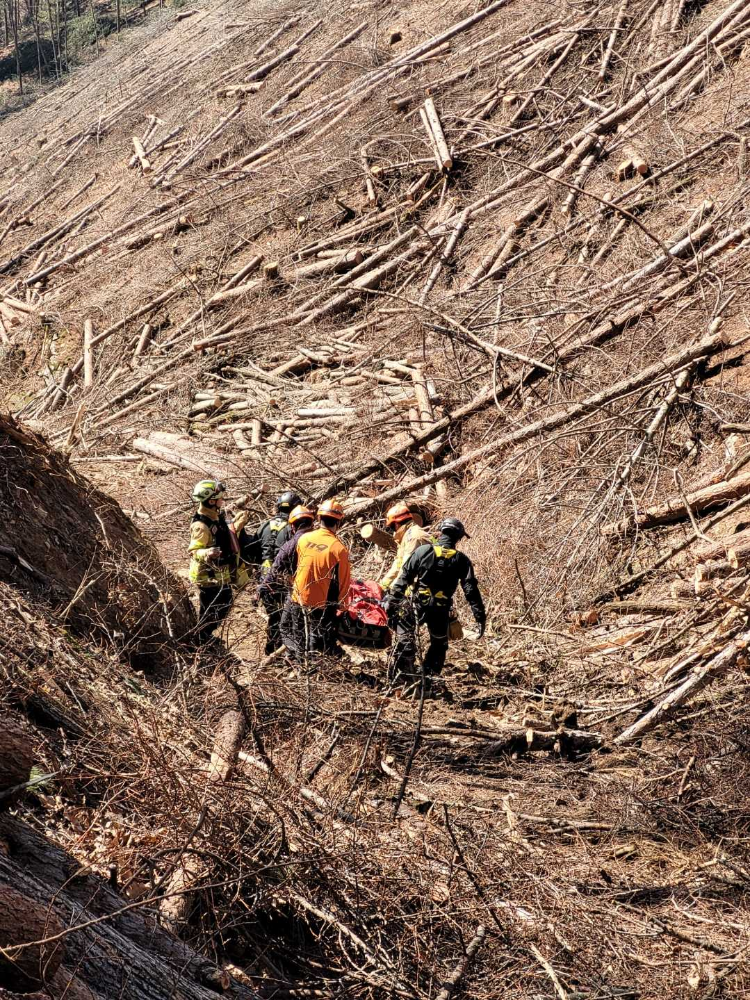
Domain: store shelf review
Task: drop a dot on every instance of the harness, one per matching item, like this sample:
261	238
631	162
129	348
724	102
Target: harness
275	525
431	592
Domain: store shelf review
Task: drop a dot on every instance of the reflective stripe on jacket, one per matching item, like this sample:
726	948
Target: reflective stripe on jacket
208	530
323	573
409	538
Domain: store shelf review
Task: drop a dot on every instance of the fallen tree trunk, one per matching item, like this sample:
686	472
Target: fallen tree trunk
124	952
677	508
16	755
538	427
24	918
699	677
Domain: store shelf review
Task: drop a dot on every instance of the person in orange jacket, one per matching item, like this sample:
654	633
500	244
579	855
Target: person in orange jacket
321	584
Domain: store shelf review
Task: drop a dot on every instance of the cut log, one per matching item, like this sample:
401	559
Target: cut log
738	554
144	339
435	129
227	741
425	415
372	198
239	90
140	152
88	354
607	57
336	264
706	572
633	164
720	547
676	509
372	533
25	919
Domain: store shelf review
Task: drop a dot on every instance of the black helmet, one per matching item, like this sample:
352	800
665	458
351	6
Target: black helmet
287	501
452	527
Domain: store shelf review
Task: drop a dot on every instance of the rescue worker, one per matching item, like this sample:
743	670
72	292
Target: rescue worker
423	595
275	530
409	535
272	534
214	556
321	584
278	581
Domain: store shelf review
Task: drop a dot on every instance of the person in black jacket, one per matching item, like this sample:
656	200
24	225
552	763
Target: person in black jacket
423	595
272	534
277	584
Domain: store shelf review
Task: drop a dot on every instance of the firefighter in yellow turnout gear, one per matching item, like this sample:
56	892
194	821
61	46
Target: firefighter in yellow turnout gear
409	535
215	565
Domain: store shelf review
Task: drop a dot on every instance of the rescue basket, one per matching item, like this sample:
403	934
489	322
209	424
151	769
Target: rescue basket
364	623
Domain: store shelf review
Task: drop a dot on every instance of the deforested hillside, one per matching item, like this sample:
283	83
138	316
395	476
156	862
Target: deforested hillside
529	211
492	260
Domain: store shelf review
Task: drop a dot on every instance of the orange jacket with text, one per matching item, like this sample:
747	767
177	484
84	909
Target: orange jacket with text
323	573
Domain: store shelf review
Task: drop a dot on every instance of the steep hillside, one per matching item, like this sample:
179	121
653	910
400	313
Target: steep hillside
495	260
70	549
289	241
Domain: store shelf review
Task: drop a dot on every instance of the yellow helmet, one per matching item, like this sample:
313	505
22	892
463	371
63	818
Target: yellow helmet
207	489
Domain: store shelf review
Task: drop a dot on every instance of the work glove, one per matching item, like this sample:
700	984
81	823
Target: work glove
390	606
213	554
241	520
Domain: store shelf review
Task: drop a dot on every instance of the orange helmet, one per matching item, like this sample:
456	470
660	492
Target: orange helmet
397	514
331	508
301	513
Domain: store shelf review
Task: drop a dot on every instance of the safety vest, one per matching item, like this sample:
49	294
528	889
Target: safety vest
225	539
227	569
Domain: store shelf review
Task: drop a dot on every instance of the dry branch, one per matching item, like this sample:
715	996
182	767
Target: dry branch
676	508
459	972
698	678
575	412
